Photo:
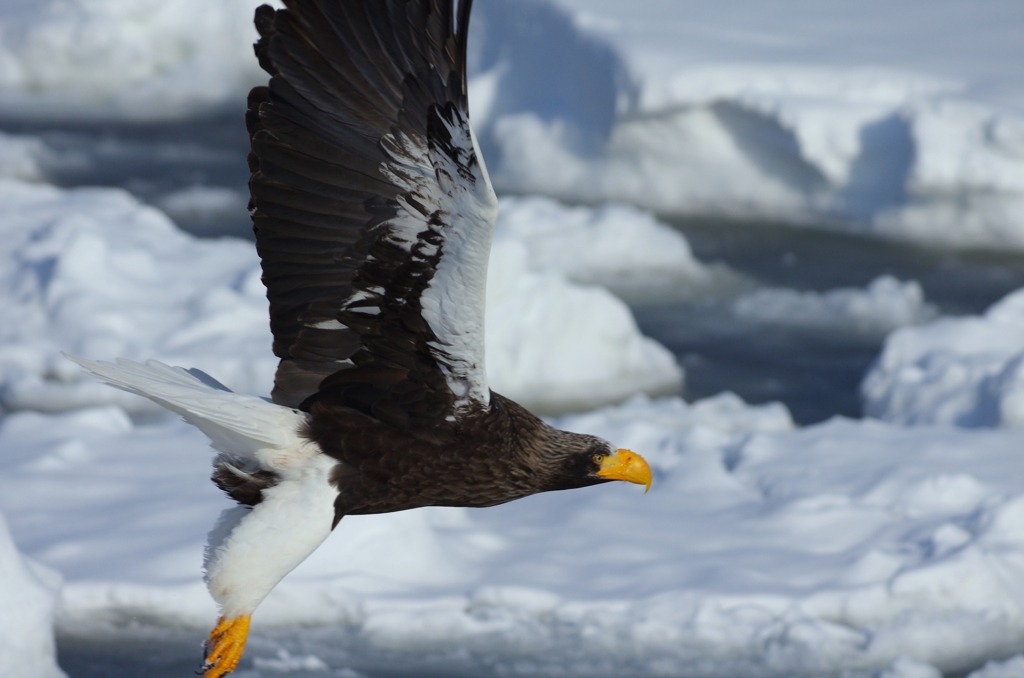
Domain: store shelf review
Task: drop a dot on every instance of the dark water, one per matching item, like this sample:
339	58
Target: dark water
816	373
811	259
174	653
169	656
152	161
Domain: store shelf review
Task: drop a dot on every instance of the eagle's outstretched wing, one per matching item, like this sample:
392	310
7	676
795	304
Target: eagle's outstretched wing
372	207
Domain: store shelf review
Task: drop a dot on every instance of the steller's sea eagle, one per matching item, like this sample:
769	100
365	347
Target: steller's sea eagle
373	216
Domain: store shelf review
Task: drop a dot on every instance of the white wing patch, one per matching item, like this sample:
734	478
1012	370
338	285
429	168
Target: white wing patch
331	324
450	196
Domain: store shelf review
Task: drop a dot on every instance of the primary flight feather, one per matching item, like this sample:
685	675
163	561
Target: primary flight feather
373	215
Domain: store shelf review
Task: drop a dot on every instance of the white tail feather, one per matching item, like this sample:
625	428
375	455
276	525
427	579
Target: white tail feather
238	425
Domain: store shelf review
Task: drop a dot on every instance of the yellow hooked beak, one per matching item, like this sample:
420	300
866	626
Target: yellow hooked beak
626	465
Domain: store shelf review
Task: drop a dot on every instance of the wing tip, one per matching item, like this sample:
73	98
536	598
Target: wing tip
462	40
265	18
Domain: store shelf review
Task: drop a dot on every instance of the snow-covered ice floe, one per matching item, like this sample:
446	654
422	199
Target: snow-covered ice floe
617	246
873	312
867	151
1010	668
28	601
965	371
852	548
732	110
806	113
22	157
132	59
93	272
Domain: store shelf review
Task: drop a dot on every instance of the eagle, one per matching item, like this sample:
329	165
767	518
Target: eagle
373	214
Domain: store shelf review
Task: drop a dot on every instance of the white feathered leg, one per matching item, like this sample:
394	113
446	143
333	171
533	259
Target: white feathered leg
250	550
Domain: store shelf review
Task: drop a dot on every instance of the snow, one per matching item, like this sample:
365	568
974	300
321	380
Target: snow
21	157
805	113
200	205
761	550
808	113
891	547
557	346
28	600
960	371
95	273
286	663
908	667
616	246
1005	669
867	151
873	312
138	60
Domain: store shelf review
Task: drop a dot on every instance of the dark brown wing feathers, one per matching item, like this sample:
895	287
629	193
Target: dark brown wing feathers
345	75
364	171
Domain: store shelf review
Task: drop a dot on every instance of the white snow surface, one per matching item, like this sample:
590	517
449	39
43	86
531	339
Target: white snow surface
284	662
95	273
872	312
846	114
557	346
617	246
761	550
21	157
202	204
28	600
556	338
130	59
1011	668
966	371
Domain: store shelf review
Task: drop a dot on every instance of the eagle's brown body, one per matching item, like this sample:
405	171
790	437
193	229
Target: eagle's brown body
501	455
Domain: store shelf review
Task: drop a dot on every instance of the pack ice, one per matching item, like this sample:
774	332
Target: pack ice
887	547
863	547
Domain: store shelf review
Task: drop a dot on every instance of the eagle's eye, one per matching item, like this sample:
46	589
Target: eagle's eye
597	458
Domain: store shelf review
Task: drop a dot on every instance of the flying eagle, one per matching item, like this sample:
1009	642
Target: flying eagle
373	215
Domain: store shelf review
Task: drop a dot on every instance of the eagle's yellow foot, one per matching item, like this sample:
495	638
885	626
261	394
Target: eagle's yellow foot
225	646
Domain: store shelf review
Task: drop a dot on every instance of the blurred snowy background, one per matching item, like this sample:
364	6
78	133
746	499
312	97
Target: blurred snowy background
776	247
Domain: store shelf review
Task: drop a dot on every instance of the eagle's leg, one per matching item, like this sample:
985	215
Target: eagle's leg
251	550
225	646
